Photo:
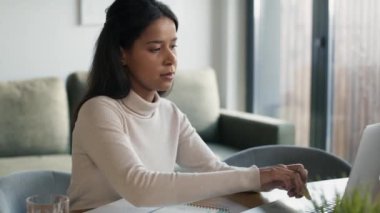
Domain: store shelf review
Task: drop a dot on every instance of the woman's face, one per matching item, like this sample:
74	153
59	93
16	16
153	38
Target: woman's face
152	59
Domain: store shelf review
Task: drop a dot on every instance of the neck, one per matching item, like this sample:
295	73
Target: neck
148	96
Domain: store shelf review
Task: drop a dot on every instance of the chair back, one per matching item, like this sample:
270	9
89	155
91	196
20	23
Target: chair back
16	187
320	164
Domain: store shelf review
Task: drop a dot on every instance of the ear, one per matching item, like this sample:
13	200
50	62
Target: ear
124	57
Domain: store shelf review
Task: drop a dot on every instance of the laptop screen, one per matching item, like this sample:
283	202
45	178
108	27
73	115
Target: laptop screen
365	172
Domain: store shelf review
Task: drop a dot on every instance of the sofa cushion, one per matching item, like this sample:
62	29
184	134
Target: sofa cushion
33	117
196	94
56	162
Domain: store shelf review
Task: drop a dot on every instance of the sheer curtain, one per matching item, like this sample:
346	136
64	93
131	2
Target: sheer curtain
283	62
356	72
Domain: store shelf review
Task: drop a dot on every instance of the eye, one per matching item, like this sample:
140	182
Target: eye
155	50
174	46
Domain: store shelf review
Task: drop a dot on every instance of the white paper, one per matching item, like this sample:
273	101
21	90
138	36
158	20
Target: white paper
121	206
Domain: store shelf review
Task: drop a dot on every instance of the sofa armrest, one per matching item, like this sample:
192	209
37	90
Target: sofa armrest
243	130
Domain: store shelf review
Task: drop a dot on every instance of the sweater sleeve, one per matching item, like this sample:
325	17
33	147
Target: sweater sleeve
99	130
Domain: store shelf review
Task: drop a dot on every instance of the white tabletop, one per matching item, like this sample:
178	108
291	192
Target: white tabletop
329	189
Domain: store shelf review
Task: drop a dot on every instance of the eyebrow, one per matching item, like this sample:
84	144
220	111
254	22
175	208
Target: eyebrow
159	41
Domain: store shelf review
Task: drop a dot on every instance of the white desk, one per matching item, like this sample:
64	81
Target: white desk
247	201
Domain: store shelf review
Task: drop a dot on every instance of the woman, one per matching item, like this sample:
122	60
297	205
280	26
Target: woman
127	140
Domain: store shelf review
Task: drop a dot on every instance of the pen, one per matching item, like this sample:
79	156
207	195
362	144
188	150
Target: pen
306	193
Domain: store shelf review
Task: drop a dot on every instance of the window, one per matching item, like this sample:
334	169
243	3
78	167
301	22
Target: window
284	39
282	62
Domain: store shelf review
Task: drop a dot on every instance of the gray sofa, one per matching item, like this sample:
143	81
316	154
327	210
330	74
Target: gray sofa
35	118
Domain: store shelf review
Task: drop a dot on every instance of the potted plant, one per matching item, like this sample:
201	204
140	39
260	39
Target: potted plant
358	202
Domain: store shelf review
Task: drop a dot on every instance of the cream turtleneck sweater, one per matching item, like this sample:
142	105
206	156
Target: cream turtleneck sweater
128	148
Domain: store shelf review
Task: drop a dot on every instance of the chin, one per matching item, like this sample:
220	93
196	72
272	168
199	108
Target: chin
165	87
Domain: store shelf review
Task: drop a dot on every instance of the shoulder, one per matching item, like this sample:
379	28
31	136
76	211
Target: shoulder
168	105
170	110
100	104
100	101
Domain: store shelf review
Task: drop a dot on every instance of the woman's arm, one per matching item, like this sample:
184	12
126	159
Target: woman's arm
193	152
99	130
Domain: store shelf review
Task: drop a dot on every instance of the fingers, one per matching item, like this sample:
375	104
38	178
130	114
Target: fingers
299	168
278	176
294	183
291	178
300	180
298	185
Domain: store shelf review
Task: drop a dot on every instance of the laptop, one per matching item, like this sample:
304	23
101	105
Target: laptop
364	178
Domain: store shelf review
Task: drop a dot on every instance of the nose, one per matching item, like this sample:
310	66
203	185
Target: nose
170	57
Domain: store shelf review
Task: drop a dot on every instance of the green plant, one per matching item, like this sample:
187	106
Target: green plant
357	202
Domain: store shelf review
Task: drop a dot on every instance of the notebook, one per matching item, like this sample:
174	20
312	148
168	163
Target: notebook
190	208
122	206
365	174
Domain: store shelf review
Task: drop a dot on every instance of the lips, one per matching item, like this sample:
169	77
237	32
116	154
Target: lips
168	75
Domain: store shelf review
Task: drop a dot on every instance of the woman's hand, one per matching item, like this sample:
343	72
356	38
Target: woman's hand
291	178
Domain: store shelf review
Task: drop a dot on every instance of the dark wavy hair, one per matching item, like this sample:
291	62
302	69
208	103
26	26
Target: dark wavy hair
125	22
